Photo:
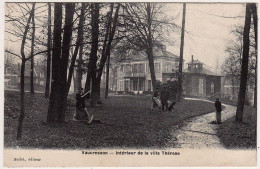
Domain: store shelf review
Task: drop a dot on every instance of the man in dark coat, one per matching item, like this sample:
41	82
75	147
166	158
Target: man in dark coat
164	98
218	110
155	95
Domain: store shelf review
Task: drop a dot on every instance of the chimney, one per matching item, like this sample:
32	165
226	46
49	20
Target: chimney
191	63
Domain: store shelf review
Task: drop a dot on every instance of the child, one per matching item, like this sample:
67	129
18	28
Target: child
218	110
81	110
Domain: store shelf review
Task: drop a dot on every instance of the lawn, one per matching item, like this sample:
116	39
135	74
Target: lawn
237	135
126	122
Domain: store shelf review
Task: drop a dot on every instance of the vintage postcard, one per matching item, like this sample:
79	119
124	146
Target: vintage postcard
129	84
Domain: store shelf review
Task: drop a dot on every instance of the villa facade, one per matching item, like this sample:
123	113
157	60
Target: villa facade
134	76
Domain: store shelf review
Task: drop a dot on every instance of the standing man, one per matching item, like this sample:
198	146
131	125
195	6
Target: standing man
154	98
164	98
218	110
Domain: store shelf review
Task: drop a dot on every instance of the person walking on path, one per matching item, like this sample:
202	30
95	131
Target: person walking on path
81	110
218	111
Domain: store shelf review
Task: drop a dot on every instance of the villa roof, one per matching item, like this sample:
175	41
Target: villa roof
195	62
157	55
203	71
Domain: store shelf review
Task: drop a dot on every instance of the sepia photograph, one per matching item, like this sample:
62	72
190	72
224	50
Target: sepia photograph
130	84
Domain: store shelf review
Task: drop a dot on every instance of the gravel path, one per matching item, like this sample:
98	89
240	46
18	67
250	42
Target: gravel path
198	132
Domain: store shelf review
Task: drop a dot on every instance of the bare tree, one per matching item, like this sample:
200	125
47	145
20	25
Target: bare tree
21	117
244	66
232	64
55	99
255	19
146	24
32	52
78	45
109	36
48	71
92	68
181	53
58	97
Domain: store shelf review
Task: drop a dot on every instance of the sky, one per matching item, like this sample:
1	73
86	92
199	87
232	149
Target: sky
207	32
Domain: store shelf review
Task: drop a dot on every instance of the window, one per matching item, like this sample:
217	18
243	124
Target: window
147	68
127	85
174	67
149	85
141	68
138	68
168	67
41	83
157	67
134	68
127	69
141	85
135	85
8	70
121	85
201	86
212	87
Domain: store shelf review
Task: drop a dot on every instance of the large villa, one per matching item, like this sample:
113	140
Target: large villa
134	76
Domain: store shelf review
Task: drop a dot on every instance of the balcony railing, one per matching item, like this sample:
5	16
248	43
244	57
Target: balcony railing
134	74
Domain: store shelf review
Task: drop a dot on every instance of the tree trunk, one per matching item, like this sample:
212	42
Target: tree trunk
69	12
75	77
244	66
32	52
181	53
98	90
107	76
254	12
55	100
93	53
79	43
47	87
233	88
149	50
80	64
88	82
107	46
149	53
21	117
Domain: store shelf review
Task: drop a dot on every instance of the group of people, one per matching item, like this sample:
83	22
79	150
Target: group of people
163	99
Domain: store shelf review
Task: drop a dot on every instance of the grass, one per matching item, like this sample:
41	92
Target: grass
239	135
127	122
